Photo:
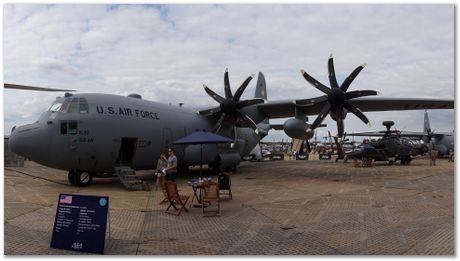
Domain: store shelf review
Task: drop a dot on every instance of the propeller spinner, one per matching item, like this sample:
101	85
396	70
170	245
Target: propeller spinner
230	105
337	98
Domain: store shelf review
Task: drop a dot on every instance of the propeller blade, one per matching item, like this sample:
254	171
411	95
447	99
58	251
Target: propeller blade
219	122
245	103
356	111
330	68
249	121
308	146
228	91
351	77
209	112
356	94
33	88
214	95
310	102
240	90
340	127
316	83
324	112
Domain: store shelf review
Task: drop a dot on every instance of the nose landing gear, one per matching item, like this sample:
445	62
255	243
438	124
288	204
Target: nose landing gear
80	178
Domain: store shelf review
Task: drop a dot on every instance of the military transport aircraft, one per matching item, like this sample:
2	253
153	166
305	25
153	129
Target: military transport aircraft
443	142
391	147
91	134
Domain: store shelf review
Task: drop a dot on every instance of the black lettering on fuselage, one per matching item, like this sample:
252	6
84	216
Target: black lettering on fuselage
127	112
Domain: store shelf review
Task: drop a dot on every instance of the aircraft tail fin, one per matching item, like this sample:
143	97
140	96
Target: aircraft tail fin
261	88
261	92
426	123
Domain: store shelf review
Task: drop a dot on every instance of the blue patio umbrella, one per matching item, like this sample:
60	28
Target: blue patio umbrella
202	137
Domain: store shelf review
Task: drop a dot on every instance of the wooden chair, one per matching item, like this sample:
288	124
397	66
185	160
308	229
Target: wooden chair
225	185
210	198
163	189
175	199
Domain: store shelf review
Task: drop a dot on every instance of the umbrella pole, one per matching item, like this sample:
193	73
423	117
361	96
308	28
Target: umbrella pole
201	158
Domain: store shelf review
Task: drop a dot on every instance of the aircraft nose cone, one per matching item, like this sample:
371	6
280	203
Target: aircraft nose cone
28	141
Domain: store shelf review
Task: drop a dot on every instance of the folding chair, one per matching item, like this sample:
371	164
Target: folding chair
175	199
163	189
210	198
225	185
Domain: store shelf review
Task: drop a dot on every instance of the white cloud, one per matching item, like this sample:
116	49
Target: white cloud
162	51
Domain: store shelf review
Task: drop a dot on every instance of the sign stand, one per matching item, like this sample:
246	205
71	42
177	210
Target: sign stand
108	223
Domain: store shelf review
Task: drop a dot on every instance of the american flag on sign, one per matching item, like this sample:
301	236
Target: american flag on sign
65	199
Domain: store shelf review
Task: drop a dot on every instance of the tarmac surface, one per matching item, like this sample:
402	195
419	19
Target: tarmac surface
279	208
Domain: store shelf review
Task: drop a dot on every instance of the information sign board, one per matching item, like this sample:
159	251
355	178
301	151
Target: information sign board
80	223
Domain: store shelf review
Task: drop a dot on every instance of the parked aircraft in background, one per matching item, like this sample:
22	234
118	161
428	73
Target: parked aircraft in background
91	135
443	142
391	147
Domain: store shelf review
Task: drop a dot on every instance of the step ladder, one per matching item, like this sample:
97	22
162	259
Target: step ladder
296	145
129	178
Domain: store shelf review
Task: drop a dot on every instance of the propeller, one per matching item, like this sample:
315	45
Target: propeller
337	97
33	88
230	106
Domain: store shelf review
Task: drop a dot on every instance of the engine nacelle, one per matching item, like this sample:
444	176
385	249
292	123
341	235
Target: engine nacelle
297	129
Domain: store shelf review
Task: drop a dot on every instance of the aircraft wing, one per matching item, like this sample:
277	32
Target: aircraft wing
286	108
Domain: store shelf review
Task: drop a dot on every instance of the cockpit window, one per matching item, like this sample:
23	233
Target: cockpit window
70	105
73	108
64	106
83	106
55	106
73	127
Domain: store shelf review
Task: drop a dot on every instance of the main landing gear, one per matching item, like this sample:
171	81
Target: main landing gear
80	178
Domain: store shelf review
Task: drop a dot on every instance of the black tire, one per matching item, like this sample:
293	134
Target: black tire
83	178
71	177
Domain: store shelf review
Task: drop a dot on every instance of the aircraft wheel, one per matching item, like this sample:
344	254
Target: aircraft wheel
83	178
71	177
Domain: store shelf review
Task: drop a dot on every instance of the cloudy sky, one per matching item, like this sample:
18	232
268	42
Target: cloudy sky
166	52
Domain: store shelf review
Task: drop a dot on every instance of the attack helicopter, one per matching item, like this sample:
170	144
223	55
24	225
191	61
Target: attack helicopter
391	147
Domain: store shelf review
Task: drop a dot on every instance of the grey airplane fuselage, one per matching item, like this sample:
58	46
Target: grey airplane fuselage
443	143
90	134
